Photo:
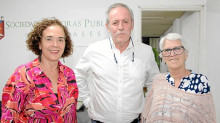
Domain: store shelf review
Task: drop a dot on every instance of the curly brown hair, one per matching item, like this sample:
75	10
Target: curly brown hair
34	37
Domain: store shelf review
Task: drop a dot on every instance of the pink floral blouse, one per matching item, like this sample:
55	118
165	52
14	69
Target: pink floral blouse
28	96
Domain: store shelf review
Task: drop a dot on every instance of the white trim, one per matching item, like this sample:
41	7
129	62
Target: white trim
171	2
171	8
202	48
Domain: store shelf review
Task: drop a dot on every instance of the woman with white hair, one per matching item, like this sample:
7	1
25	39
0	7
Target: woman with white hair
179	95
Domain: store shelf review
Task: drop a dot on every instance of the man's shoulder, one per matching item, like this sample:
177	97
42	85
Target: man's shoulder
100	43
142	46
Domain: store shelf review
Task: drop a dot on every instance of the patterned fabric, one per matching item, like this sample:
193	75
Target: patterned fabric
28	96
167	104
194	83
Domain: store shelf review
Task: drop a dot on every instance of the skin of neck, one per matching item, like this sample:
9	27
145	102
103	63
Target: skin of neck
178	74
121	46
49	65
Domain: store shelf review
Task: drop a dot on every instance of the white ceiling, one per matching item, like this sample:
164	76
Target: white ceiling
155	23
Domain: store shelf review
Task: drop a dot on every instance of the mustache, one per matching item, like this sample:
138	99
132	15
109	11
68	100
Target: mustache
121	32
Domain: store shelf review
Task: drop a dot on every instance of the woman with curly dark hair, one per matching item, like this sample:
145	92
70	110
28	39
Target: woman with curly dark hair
43	90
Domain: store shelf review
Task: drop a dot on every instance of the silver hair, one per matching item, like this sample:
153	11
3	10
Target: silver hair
173	36
115	6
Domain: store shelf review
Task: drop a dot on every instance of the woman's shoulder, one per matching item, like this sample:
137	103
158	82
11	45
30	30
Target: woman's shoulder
160	75
198	76
29	65
19	76
66	69
160	78
200	83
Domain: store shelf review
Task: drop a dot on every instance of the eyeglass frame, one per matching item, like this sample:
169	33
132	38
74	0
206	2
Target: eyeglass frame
173	49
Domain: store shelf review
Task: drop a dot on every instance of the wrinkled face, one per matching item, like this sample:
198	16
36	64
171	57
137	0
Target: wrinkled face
175	60
120	24
52	43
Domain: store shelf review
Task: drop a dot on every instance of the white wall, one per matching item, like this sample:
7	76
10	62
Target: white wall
212	44
182	25
190	30
84	19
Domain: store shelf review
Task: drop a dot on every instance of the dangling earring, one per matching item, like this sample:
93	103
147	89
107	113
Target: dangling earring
40	55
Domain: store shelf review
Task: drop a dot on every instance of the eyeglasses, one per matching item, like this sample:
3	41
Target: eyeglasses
116	61
177	51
